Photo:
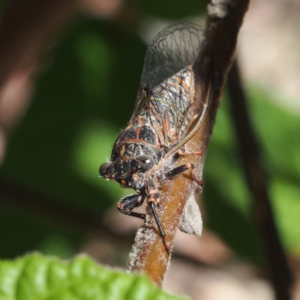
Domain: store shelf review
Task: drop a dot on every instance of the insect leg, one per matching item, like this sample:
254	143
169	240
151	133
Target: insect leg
181	169
152	206
157	220
181	152
127	204
153	200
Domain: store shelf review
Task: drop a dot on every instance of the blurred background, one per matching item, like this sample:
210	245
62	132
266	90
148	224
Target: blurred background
69	74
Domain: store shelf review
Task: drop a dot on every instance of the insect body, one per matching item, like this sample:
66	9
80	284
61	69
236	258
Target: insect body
167	114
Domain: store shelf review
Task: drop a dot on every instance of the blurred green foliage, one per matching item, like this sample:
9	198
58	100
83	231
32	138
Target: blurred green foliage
82	101
227	198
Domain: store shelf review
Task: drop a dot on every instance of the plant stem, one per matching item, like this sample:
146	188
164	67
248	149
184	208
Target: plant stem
256	176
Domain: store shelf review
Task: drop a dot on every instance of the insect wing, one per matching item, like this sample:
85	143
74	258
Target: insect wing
167	89
191	220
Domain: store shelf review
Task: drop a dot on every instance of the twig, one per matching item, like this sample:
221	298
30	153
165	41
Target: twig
25	31
257	181
149	254
20	198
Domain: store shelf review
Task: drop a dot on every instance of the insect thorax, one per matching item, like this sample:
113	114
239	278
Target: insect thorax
136	150
138	138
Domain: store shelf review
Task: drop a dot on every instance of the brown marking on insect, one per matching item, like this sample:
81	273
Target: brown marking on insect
182	153
194	178
140	121
123	150
138	131
154	197
183	84
132	141
169	132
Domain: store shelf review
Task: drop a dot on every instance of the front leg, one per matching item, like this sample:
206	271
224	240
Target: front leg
153	200
179	170
181	153
127	204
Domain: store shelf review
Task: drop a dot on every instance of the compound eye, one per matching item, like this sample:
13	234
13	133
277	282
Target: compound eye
103	169
145	161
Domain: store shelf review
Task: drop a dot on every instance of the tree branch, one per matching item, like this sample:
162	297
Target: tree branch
279	271
26	29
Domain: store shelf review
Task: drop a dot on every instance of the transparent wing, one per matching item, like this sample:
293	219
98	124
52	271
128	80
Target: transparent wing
167	89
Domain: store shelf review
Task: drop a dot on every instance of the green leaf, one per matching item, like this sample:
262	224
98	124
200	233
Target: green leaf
35	277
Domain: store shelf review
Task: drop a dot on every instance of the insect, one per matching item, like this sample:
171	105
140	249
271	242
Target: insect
167	114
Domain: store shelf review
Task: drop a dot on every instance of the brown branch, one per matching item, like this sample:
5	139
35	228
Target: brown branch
26	29
20	198
149	254
257	181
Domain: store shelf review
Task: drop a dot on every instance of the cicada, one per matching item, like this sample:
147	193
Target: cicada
167	114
